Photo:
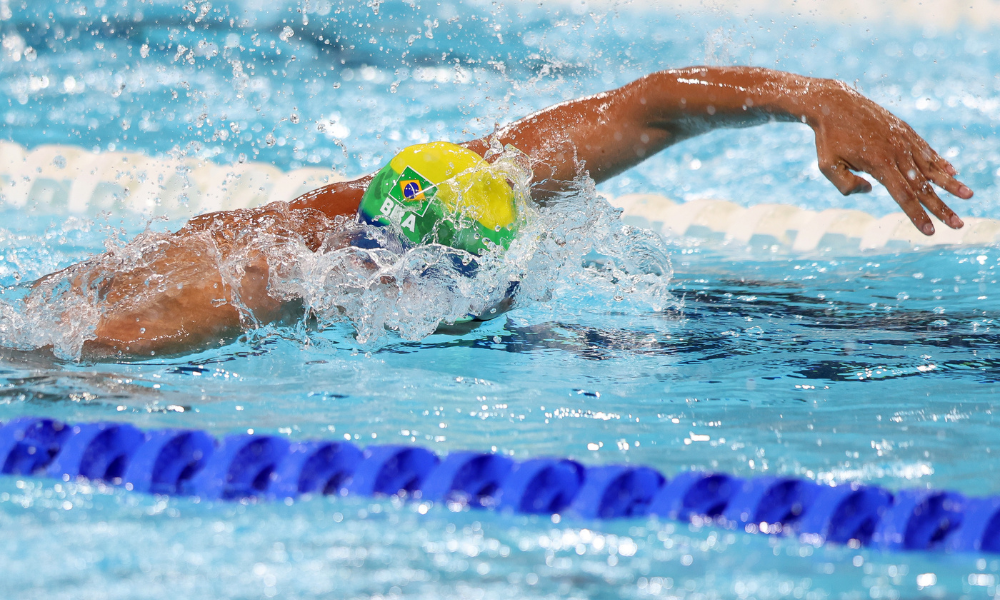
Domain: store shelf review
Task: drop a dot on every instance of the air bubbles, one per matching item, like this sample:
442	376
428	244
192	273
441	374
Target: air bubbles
13	46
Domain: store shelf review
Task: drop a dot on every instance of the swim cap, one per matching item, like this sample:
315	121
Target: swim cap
442	193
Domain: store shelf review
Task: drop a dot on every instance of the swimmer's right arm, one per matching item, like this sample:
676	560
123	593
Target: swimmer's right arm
608	133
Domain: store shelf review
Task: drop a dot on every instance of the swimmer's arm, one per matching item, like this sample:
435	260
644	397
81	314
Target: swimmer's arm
609	133
340	198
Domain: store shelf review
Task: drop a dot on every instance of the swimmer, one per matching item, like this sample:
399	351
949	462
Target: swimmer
599	136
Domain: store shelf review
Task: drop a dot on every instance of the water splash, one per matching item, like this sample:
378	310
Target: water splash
376	291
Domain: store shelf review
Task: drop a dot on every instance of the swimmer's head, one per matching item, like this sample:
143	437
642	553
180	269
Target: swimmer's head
445	194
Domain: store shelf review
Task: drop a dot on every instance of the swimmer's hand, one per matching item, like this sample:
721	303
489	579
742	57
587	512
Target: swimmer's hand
855	134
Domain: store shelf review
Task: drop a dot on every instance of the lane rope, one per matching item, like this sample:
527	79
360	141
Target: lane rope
65	179
68	179
792	229
254	467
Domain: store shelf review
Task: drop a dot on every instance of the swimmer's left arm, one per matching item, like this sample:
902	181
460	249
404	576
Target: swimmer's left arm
340	198
610	132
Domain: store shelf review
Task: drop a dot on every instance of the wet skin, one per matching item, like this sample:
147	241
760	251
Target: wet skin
600	136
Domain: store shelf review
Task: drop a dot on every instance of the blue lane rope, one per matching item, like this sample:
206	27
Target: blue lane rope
181	462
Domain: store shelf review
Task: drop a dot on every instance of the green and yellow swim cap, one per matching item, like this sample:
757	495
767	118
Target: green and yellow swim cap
442	193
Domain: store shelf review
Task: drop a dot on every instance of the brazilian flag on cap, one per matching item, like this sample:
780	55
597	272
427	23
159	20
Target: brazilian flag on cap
442	193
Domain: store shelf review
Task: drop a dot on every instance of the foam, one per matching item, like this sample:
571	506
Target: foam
375	290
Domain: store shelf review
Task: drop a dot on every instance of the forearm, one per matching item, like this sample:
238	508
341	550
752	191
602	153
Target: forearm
194	288
691	101
610	132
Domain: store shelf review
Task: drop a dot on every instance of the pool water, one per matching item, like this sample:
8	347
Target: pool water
877	368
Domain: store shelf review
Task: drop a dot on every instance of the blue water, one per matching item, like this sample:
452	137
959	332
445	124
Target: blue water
877	368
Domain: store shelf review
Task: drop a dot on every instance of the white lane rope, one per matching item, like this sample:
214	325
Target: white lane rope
793	229
69	179
59	179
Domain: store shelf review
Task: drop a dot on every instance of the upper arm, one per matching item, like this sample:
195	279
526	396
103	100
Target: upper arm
602	135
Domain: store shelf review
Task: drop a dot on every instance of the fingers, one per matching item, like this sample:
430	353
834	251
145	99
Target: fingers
945	166
933	166
901	161
904	195
941	172
912	190
841	177
926	195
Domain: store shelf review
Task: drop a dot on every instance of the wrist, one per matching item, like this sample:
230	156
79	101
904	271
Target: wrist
794	98
811	100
